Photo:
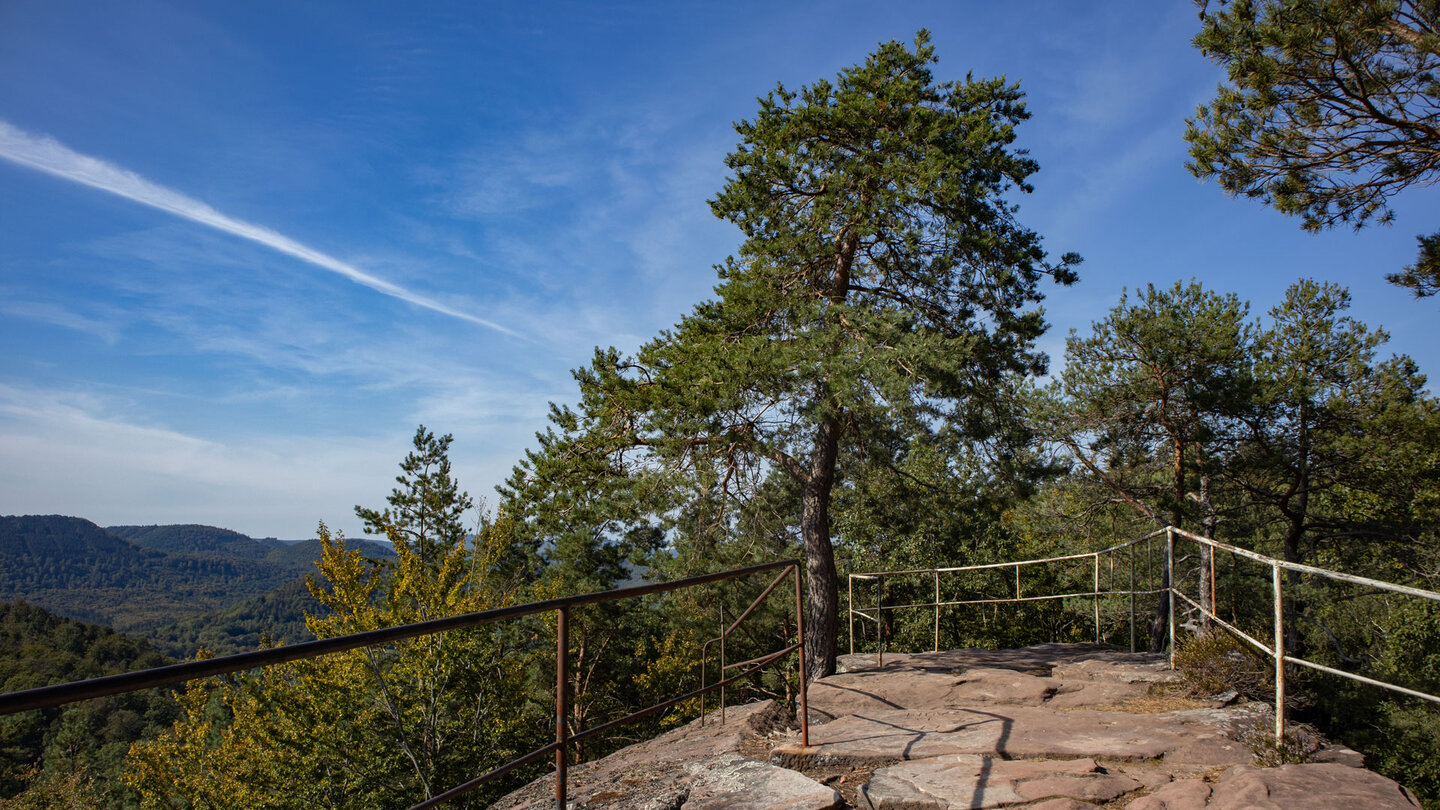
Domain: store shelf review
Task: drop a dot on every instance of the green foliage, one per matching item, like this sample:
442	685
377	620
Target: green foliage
427	510
372	727
884	290
49	790
1142	400
77	750
378	726
1329	110
274	617
1403	744
75	568
195	539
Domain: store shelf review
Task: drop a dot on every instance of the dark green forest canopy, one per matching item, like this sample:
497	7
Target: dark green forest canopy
209	587
92	737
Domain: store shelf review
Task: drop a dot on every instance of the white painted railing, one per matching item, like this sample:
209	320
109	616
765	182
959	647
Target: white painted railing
1274	650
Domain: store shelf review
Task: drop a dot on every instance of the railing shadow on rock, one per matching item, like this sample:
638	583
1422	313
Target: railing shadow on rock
1204	606
60	694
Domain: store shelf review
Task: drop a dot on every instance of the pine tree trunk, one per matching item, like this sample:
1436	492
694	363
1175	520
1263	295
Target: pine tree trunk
822	600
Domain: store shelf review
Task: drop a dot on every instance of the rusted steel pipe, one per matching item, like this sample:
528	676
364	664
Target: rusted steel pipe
60	694
562	704
804	673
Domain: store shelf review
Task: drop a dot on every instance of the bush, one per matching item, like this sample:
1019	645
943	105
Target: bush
1299	743
1215	662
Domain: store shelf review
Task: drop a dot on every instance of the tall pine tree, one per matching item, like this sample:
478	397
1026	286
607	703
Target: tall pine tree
884	287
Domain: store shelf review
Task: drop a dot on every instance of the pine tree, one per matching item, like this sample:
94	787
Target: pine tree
884	287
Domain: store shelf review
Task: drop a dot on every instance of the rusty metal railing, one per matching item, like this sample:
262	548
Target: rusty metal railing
1206	607
1095	594
60	694
725	633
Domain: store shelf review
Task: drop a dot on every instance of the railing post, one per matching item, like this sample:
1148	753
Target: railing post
1097	597
1279	653
562	703
937	611
879	621
1132	597
849	603
1170	584
804	673
721	602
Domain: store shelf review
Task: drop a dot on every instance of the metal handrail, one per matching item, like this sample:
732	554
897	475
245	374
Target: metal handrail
60	694
1016	565
725	633
1275	651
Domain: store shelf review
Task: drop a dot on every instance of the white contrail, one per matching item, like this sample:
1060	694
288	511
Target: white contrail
52	157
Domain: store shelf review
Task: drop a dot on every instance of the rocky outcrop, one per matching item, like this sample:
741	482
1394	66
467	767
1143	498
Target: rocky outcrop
696	767
967	780
1314	786
1050	727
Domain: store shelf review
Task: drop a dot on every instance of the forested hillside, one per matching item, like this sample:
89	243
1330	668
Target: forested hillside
194	539
181	586
73	753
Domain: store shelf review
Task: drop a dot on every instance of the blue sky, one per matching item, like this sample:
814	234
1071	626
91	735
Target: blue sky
245	248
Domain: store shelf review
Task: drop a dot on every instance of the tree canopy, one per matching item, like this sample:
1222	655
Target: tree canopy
884	287
1332	107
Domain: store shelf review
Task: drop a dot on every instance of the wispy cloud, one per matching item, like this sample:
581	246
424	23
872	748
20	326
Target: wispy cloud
52	157
17	306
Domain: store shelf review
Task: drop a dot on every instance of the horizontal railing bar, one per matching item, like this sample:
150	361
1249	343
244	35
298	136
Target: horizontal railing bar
1361	678
460	790
765	657
1002	600
1310	569
47	696
1270	651
767	660
1037	561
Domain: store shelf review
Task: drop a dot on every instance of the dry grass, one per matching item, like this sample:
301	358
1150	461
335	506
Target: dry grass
1161	698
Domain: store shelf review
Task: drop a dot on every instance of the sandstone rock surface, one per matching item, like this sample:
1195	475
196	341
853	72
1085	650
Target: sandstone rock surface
1050	727
971	781
696	767
1314	786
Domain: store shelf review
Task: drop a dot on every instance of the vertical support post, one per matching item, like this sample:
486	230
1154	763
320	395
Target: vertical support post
1170	582
1279	652
879	621
937	611
1096	597
721	602
1132	597
804	673
1214	594
1017	582
562	704
850	604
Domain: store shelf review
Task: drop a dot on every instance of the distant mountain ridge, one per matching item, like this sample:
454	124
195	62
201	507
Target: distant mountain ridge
180	585
191	538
